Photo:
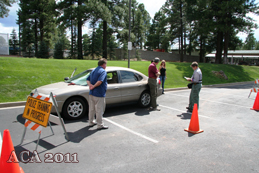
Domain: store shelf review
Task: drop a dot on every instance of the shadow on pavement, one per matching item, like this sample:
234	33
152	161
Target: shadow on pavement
191	134
43	143
79	135
126	109
185	116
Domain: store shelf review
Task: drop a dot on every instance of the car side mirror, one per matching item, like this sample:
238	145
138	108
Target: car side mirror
66	78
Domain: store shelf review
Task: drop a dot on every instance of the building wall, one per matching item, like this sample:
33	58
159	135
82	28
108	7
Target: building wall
150	55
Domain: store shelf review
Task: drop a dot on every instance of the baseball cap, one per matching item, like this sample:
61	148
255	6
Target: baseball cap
156	60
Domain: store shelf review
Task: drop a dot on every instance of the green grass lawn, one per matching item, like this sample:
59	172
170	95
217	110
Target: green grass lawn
19	76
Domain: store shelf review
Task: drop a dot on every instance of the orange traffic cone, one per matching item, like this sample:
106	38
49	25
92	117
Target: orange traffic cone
256	103
194	123
8	161
0	144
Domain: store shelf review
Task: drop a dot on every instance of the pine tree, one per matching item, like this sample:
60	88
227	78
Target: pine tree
157	32
86	44
44	50
37	19
14	42
58	51
95	48
4	4
250	42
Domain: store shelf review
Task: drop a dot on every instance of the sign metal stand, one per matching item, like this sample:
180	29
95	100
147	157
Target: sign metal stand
59	122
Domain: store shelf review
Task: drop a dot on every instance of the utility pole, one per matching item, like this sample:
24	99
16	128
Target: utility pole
19	16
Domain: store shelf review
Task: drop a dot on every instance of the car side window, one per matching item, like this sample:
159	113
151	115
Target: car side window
127	76
112	77
139	76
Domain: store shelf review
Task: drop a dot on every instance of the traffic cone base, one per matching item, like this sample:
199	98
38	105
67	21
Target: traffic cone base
194	132
254	109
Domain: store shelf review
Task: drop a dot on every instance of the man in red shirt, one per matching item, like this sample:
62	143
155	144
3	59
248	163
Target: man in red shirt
153	73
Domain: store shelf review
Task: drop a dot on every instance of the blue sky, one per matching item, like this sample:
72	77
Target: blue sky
9	23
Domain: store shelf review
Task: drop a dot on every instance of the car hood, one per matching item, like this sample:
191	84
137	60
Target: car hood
60	88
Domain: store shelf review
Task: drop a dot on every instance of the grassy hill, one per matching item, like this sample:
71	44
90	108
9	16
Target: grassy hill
19	76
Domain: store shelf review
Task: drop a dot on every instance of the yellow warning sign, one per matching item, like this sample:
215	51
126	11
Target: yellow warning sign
37	111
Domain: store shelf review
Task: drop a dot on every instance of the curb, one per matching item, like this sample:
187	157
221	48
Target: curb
213	86
12	104
23	103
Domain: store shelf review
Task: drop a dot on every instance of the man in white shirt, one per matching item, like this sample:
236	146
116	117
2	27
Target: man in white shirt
196	81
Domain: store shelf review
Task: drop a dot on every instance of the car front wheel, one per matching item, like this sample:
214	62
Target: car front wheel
145	99
74	108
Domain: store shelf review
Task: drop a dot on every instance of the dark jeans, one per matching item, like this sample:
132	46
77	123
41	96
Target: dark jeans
162	79
194	96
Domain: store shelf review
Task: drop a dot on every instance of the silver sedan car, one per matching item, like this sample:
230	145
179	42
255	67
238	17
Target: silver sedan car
124	86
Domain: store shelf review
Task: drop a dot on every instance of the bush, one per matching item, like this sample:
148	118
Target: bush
44	50
58	51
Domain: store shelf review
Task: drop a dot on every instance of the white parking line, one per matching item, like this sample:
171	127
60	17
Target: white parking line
131	131
187	112
212	101
12	107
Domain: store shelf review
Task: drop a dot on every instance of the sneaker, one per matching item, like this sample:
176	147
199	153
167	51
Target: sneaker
154	109
92	124
157	109
102	128
150	108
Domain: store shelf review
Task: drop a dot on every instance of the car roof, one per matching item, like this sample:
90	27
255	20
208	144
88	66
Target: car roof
111	68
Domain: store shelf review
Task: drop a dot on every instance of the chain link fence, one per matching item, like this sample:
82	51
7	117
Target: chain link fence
4	44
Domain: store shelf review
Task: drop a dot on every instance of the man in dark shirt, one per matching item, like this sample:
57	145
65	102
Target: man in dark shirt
153	73
97	82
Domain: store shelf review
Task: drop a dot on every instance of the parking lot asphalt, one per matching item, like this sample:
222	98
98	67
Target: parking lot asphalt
142	141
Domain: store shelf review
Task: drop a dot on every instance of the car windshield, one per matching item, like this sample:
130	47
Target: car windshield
80	79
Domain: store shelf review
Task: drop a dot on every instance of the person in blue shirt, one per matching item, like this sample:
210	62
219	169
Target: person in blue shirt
97	82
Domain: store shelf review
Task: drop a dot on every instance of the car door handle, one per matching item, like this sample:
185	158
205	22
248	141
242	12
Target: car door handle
116	88
139	85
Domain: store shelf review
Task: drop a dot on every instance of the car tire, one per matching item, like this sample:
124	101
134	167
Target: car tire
145	99
74	108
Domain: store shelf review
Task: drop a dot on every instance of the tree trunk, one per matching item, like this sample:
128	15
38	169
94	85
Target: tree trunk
190	44
79	39
219	47
93	44
36	37
226	46
41	30
184	41
201	50
72	40
181	32
105	39
179	45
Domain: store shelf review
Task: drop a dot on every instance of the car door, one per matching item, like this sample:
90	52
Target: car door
113	93
131	86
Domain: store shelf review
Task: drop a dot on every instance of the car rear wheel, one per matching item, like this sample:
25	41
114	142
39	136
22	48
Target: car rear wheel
145	99
74	108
